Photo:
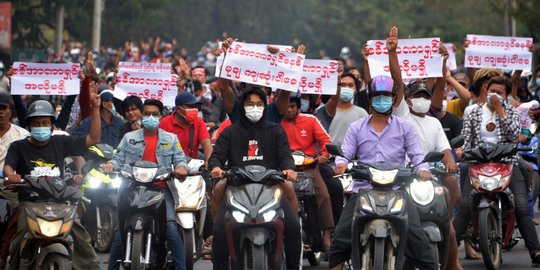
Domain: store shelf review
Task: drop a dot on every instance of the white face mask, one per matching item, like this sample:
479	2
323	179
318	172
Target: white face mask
254	113
420	105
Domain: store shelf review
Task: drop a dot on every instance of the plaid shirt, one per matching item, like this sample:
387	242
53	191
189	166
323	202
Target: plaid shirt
507	132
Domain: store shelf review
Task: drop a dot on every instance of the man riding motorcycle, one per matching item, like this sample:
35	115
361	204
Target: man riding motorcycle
43	154
254	141
304	133
161	147
374	139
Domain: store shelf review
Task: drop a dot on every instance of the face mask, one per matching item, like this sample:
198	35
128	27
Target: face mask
382	104
191	115
305	105
198	98
41	134
420	105
538	82
254	113
498	96
451	95
150	122
346	95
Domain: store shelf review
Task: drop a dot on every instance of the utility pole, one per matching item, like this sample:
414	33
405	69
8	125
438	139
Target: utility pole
509	20
96	24
59	31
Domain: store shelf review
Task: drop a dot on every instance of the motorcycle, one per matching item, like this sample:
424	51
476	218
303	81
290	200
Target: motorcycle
5	213
491	199
49	212
142	216
191	211
307	201
431	203
380	218
254	218
100	216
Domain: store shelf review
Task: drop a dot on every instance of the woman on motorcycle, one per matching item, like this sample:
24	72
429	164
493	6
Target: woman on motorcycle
497	122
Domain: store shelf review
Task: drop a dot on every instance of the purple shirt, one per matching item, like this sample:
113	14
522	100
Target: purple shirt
398	138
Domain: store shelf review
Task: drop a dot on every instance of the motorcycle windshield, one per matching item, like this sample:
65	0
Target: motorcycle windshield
50	189
489	152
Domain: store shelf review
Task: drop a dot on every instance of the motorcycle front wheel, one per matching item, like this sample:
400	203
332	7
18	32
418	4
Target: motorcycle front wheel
255	257
105	234
137	251
189	238
489	235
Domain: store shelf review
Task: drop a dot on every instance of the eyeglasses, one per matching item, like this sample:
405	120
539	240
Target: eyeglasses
151	114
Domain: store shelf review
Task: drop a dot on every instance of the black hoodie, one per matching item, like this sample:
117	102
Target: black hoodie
247	143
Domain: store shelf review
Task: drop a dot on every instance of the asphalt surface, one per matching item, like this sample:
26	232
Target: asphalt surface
516	259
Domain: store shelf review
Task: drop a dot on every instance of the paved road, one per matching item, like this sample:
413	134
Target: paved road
516	259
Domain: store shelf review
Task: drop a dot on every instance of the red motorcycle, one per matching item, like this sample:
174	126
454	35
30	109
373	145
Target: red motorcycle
491	200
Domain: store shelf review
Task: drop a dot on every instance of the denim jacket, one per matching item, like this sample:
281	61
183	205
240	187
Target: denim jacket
168	152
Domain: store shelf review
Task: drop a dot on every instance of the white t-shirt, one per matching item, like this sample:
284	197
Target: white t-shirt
429	129
14	133
487	117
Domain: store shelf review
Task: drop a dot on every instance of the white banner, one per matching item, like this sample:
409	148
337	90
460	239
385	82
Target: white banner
498	52
418	58
45	79
319	77
451	63
145	67
219	59
157	85
252	63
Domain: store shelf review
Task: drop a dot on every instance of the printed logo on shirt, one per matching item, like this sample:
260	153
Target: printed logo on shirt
253	151
303	133
42	168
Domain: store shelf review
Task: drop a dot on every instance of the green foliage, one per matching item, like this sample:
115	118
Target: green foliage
320	24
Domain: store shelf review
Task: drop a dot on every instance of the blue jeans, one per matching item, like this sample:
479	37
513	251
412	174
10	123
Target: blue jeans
173	239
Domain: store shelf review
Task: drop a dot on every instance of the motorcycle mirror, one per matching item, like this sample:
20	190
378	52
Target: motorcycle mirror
457	142
334	149
433	157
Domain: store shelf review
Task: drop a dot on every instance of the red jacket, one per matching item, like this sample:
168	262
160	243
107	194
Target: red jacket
305	133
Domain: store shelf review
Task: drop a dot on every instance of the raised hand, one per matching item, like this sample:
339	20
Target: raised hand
365	52
301	49
94	97
90	64
392	39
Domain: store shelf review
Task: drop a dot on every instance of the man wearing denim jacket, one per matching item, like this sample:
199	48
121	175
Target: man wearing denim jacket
161	147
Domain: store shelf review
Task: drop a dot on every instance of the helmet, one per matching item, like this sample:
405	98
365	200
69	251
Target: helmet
40	108
381	84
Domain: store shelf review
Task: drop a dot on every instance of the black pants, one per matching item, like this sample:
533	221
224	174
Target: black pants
524	221
417	251
335	189
292	239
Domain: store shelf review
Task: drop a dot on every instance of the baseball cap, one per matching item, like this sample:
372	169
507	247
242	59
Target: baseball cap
106	95
5	100
185	98
417	87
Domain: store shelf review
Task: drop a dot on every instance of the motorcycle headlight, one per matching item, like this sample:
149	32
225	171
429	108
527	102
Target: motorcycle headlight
298	160
504	181
422	192
489	182
383	177
364	203
238	216
238	206
49	228
116	181
93	182
274	201
268	216
144	175
398	206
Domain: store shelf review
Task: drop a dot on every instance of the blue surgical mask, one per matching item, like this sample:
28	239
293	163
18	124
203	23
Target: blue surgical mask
150	122
346	95
304	107
41	134
538	82
382	104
